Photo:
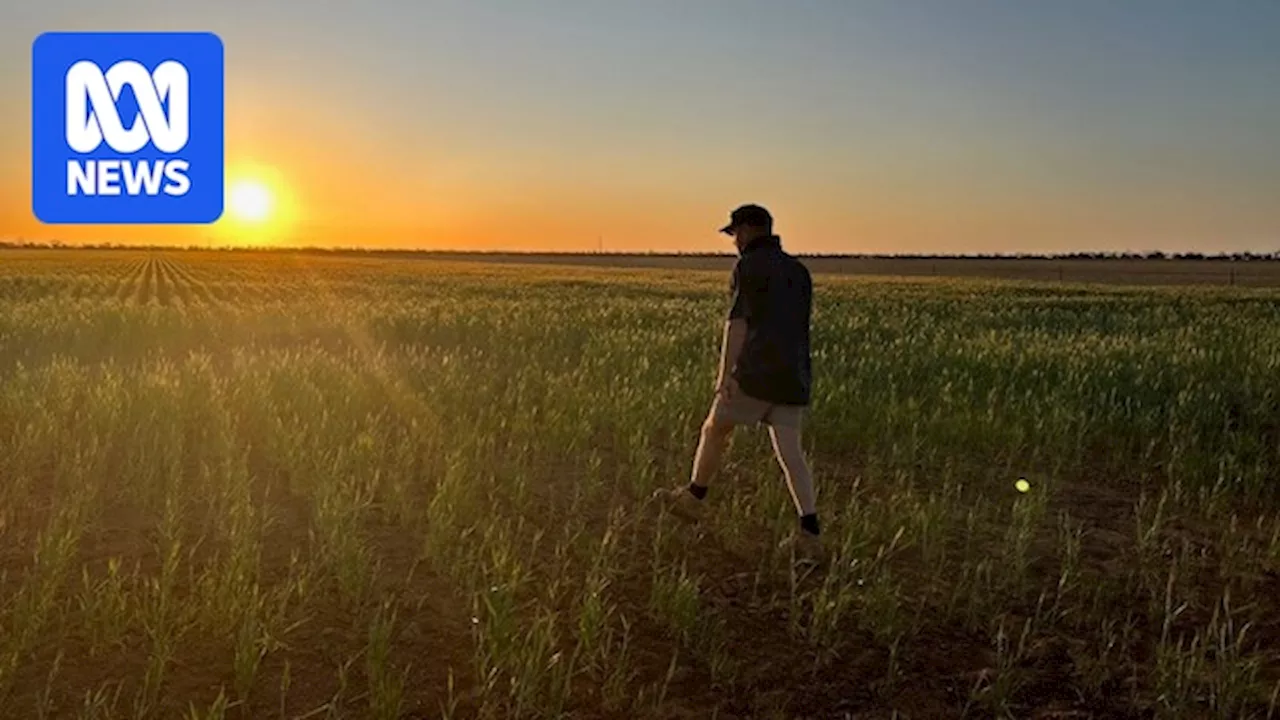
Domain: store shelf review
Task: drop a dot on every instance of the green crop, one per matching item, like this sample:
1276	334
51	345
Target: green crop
243	485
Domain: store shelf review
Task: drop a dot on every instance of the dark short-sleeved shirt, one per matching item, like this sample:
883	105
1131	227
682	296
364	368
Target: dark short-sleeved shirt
773	292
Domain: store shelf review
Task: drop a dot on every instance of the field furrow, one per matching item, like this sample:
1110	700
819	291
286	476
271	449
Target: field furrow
181	285
131	280
193	289
145	294
164	284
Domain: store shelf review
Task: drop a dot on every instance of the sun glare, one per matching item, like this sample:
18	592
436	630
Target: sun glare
250	201
260	206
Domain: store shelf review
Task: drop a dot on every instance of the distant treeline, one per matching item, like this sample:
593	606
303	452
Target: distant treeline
1152	255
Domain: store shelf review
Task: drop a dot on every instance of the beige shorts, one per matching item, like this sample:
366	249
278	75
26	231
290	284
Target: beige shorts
742	409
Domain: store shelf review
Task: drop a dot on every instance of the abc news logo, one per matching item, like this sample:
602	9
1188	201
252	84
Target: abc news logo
127	128
167	129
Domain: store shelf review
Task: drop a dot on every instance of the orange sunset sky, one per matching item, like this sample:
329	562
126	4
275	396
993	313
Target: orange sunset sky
934	126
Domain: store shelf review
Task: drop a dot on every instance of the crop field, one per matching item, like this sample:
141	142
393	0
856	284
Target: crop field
1253	272
238	485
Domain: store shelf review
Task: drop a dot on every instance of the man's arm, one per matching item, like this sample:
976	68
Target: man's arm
735	335
735	328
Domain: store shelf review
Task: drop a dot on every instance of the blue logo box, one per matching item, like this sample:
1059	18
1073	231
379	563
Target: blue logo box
127	128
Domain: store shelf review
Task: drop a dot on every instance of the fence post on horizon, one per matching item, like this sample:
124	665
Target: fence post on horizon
1059	272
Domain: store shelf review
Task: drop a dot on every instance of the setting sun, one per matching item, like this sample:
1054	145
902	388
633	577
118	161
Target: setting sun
250	201
260	205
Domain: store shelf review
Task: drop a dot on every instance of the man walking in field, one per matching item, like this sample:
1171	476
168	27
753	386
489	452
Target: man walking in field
764	373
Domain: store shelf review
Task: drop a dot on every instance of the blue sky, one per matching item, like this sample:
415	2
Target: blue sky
924	126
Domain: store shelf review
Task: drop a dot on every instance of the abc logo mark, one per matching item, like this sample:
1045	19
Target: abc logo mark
127	127
88	128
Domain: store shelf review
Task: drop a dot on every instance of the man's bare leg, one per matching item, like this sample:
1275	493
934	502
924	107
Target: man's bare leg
686	501
711	446
790	455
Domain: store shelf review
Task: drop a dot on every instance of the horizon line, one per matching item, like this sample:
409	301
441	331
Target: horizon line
348	250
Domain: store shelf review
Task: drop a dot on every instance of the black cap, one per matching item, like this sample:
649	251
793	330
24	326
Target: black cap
748	215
